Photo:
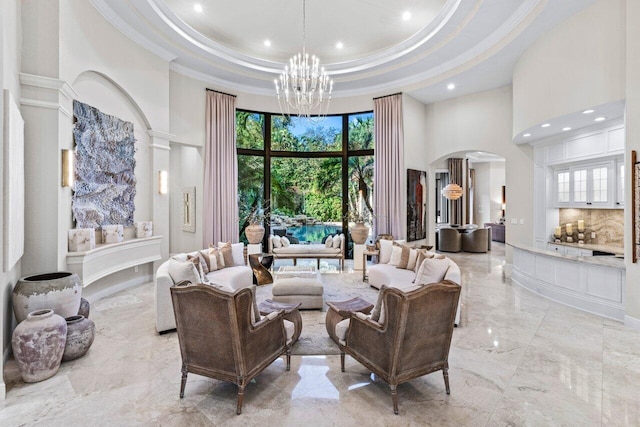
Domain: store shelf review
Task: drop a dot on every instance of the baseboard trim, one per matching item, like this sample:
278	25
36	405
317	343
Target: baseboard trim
632	322
119	287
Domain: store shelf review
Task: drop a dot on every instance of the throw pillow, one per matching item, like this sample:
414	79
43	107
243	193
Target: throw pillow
276	242
195	259
285	242
377	309
432	270
404	257
255	312
329	242
205	257
396	254
411	263
215	253
237	251
227	253
336	242
183	270
421	256
386	246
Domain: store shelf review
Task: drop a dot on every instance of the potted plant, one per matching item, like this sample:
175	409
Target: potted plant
359	231
255	230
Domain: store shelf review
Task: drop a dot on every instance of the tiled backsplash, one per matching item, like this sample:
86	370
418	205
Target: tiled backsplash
608	225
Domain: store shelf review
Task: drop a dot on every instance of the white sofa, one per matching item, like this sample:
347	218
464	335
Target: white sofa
235	277
313	250
390	275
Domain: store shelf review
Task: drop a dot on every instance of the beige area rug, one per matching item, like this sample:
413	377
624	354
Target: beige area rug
337	287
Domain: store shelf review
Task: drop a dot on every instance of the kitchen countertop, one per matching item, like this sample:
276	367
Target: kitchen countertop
606	261
616	250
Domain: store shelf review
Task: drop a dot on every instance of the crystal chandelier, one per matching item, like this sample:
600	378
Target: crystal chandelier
304	87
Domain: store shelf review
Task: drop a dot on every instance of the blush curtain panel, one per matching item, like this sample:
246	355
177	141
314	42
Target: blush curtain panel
389	165
220	216
455	177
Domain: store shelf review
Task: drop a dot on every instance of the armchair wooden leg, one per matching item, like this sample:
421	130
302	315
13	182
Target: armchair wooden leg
342	360
183	383
289	359
445	373
240	399
394	398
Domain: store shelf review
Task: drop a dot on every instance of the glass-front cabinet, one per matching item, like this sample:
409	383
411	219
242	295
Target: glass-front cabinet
590	185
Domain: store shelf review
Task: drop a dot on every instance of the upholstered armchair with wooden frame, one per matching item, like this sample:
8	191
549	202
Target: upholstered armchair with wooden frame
414	338
220	338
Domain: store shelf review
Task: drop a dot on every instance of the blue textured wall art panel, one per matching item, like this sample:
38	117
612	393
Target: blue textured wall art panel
105	185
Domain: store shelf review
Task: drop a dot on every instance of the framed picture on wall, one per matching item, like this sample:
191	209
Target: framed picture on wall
416	205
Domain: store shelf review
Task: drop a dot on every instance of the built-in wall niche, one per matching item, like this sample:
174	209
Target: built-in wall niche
606	224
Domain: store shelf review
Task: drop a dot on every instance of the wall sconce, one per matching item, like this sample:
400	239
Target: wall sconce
163	182
68	171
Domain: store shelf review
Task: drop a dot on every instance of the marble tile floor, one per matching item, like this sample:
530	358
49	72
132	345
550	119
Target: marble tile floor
516	359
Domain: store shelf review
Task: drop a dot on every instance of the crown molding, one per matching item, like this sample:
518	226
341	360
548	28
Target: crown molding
45	104
221	83
160	134
49	83
107	13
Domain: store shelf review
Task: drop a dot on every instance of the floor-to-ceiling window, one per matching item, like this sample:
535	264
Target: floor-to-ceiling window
309	179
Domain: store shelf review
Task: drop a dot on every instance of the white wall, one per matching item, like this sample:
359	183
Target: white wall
578	64
483	122
10	42
415	152
632	128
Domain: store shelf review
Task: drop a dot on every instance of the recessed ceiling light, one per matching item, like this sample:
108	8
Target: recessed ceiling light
267	43
546	125
339	45
599	119
198	7
566	129
527	135
406	16
588	111
451	86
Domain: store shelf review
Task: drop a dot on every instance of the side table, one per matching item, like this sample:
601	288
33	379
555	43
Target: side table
341	310
291	313
260	264
365	254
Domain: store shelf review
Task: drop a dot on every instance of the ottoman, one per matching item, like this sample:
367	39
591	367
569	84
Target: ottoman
306	290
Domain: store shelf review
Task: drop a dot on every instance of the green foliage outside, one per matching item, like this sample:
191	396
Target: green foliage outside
308	186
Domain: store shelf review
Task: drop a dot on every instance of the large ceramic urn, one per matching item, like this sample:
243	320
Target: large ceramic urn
359	233
38	344
60	291
254	233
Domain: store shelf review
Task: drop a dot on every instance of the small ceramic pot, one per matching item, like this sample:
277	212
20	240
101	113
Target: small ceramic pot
38	344
80	334
85	308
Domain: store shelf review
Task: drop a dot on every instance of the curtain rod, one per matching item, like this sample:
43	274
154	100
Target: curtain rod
385	96
217	91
